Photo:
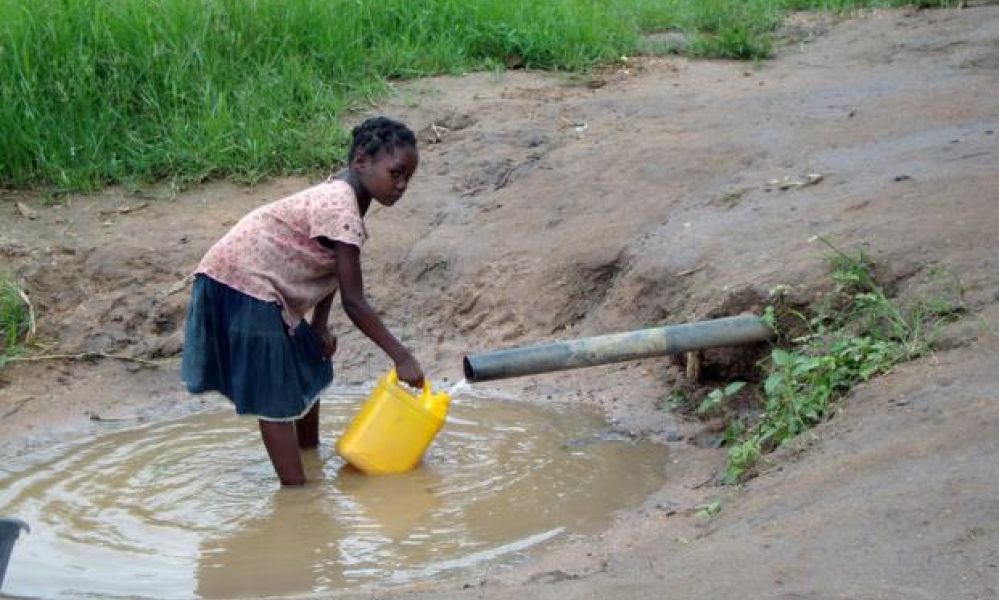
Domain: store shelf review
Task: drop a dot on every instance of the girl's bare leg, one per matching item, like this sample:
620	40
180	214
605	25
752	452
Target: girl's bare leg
307	428
280	441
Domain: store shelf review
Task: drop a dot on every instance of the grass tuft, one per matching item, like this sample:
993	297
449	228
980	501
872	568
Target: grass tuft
16	320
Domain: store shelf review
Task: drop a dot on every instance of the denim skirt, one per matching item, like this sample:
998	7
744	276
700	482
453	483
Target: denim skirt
240	347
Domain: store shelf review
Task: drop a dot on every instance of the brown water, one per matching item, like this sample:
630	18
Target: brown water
191	508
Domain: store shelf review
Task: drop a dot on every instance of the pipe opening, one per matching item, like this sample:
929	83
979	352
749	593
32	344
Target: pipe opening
470	374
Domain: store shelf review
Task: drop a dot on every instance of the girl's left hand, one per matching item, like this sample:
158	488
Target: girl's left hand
329	342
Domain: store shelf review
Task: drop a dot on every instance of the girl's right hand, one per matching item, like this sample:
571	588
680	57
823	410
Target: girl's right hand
409	370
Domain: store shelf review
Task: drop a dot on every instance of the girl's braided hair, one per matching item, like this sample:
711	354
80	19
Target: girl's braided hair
379	133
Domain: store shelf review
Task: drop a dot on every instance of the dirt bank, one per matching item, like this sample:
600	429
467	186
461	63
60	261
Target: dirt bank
664	191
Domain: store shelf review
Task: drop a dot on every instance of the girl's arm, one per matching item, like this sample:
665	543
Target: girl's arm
352	297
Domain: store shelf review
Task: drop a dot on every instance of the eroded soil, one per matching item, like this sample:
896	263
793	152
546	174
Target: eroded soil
664	191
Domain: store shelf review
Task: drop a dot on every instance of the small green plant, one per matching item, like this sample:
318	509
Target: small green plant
736	41
674	400
709	510
16	320
854	333
716	397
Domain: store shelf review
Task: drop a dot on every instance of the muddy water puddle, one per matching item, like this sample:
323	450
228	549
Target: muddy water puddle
191	508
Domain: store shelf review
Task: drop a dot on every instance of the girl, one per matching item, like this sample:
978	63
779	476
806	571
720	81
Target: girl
246	335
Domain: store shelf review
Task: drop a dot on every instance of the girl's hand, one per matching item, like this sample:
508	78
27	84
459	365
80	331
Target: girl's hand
409	371
328	340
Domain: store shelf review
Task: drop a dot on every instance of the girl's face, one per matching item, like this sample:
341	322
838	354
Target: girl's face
386	175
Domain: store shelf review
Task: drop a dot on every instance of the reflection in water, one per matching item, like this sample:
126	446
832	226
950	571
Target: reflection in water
298	545
395	506
191	508
244	563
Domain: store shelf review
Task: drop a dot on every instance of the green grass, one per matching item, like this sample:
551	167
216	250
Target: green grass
15	320
854	333
94	92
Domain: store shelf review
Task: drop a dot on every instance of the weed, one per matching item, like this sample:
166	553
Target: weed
853	333
736	41
675	399
715	398
731	199
710	510
16	319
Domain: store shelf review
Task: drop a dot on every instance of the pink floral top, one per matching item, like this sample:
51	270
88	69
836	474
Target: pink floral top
272	253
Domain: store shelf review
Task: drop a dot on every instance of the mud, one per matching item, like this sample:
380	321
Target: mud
549	207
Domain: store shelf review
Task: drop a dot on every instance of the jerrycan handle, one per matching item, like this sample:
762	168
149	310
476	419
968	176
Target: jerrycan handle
394	380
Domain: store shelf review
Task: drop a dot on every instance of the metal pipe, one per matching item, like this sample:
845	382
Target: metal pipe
616	347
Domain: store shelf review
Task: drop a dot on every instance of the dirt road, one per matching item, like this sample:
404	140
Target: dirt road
664	190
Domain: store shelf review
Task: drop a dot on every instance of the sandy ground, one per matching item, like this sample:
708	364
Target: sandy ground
548	207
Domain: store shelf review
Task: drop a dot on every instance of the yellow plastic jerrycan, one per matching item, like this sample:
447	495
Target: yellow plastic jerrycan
393	428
